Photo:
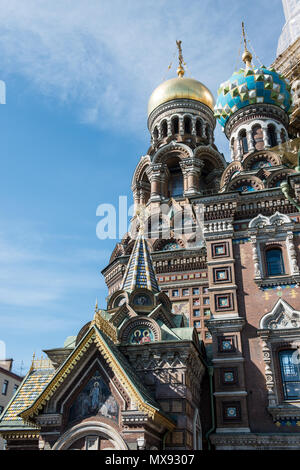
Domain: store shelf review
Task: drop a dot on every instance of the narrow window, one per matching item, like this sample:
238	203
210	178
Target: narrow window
272	136
187	125
290	374
175	125
198	128
4	387
274	260
164	129
243	141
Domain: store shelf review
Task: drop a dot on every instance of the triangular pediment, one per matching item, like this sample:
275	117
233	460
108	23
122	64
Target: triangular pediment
125	311
282	316
112	364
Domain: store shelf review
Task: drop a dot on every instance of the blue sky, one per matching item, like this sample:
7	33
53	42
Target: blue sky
78	75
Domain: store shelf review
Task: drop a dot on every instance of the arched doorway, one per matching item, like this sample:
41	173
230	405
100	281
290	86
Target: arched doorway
88	435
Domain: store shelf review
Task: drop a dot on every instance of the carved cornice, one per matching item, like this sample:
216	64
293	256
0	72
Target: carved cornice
249	440
48	420
255	111
216	325
182	106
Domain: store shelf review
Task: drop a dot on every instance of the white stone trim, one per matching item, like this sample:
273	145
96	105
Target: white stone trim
90	428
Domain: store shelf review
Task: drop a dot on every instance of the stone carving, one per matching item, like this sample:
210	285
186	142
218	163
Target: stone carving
292	253
283	316
257	271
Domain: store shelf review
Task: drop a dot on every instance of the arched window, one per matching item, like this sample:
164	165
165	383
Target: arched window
175	125
243	141
198	127
290	373
176	182
164	129
187	125
272	136
274	261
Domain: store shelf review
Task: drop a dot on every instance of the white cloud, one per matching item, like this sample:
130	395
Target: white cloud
107	56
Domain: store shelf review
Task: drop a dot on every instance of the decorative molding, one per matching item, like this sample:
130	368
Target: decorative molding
282	316
228	440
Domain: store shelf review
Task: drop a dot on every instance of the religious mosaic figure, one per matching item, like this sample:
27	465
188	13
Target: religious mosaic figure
95	398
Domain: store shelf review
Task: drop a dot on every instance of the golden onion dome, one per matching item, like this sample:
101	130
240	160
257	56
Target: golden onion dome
178	88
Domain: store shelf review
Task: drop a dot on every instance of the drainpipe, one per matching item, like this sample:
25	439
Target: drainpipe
211	373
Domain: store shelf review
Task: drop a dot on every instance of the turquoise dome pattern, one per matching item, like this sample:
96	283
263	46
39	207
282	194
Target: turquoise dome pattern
251	86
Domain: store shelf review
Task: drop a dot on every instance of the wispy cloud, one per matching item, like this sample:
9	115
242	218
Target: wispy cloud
108	55
35	276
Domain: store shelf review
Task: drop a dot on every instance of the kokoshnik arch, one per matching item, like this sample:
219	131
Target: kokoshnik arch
198	345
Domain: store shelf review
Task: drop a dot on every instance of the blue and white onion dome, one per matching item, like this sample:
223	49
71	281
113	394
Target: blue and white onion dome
252	86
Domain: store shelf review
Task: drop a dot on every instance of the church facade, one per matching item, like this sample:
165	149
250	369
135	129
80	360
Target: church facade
199	345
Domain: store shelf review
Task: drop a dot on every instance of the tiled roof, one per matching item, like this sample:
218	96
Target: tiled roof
33	384
140	271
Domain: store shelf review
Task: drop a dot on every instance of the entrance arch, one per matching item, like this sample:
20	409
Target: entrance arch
90	428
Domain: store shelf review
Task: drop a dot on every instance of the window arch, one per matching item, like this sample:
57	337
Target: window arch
175	181
274	261
272	136
164	129
290	373
243	141
198	127
187	125
175	125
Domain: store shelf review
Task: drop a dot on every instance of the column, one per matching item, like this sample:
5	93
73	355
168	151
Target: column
265	137
250	141
157	176
191	170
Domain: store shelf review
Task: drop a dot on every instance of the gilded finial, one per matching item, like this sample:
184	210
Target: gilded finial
247	56
180	70
96	305
32	362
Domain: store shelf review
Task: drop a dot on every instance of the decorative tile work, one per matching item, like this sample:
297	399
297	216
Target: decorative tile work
226	343
287	422
223	302
222	274
219	249
231	411
248	86
140	272
229	376
29	390
240	241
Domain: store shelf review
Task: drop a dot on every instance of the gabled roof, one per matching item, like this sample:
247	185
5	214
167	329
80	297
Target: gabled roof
121	368
31	387
140	272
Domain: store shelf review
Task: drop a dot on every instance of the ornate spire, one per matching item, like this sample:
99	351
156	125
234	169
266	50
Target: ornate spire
247	56
180	70
140	272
